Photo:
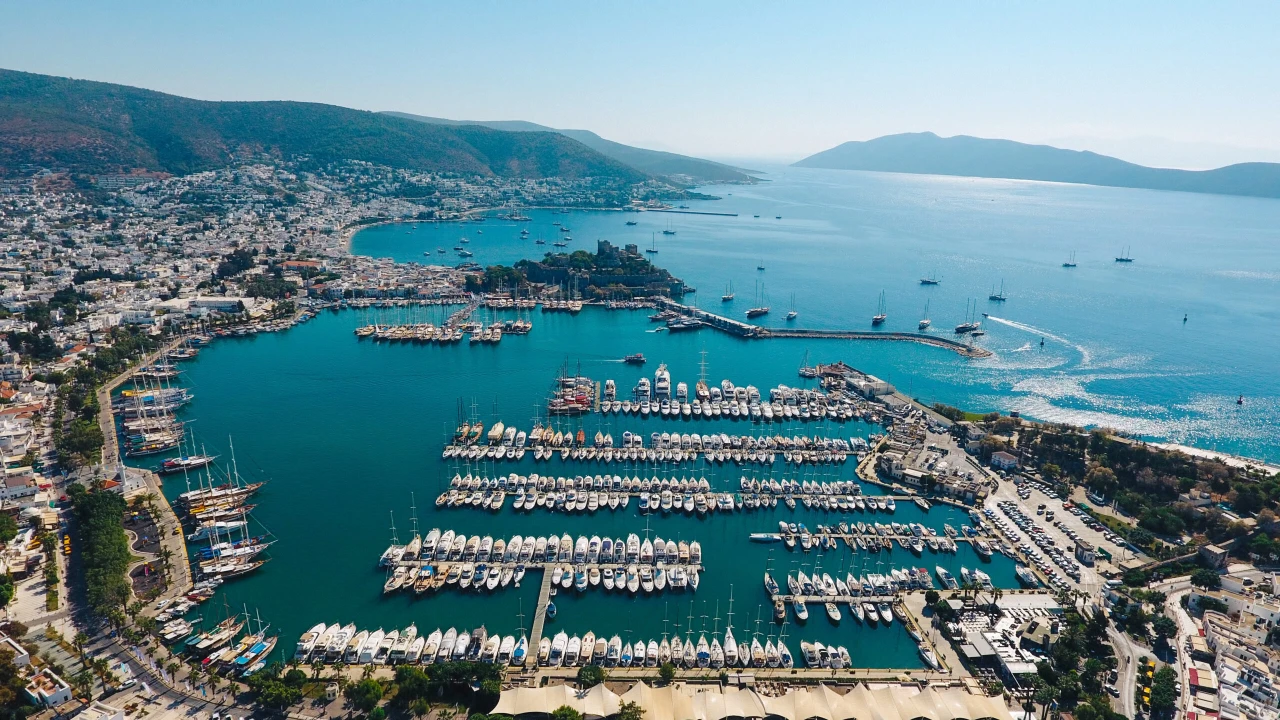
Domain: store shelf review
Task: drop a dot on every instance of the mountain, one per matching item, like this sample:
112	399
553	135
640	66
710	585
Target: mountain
94	127
677	168
926	153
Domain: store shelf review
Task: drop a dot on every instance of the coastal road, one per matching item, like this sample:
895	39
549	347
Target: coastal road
1127	654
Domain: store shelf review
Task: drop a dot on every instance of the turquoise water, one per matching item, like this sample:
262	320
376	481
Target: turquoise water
1116	351
347	430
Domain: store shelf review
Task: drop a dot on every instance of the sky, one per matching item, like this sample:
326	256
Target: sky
1175	84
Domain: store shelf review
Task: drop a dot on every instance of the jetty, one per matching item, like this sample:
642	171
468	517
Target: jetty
540	615
749	331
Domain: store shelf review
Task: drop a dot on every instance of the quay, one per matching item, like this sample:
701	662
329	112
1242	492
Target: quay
747	330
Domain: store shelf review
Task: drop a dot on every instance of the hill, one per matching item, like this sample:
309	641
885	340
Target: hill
671	166
95	128
926	153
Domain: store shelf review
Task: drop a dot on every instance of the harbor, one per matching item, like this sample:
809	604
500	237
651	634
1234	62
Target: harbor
822	492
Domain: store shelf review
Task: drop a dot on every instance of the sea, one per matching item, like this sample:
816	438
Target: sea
348	433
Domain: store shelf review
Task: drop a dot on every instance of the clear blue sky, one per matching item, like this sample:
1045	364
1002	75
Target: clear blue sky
1175	83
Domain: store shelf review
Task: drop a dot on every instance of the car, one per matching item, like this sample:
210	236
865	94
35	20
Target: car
161	605
128	683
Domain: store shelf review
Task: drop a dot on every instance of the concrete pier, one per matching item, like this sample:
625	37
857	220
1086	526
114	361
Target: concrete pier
539	619
747	330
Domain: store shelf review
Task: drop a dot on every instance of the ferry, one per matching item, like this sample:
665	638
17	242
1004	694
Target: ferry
635	359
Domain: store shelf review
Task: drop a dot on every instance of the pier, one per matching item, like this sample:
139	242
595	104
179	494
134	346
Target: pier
676	211
539	618
747	330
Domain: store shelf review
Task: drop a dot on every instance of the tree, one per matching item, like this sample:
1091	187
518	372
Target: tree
420	708
630	711
667	672
1163	697
364	695
564	712
591	675
1164	628
317	667
8	528
931	597
1206	578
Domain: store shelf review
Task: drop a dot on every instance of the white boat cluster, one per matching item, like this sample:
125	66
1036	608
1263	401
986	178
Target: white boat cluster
448	558
730	401
589	493
564	650
865	536
343	643
546	442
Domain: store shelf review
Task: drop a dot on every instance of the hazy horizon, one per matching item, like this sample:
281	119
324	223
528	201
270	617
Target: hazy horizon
1169	84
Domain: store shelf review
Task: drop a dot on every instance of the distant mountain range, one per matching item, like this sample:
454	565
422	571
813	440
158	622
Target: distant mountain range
98	128
676	168
926	153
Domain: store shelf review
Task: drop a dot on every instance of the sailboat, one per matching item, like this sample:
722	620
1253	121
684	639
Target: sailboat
792	314
653	245
760	265
924	322
997	296
970	324
1125	257
1071	261
728	293
931	280
882	313
762	304
668	231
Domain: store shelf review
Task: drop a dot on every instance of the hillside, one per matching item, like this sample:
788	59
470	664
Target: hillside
94	127
678	168
926	153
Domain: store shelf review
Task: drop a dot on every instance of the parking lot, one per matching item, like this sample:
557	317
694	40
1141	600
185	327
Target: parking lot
1045	530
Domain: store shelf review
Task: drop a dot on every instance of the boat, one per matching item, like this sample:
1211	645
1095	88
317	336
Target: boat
728	293
997	296
925	322
1125	257
931	280
635	359
882	312
1071	261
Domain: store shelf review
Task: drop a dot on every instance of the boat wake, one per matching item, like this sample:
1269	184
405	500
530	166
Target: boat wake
1024	348
1086	357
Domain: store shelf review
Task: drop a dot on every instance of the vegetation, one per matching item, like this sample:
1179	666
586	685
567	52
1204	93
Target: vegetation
1206	578
1075	671
104	549
14	702
1149	484
275	692
99	128
591	675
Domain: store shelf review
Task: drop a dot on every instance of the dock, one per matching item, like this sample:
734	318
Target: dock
539	619
677	211
747	330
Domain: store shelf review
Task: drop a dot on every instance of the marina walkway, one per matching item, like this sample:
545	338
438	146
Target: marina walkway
539	619
747	330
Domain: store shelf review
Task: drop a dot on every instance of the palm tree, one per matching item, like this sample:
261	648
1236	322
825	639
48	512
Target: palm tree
172	668
338	668
420	708
366	672
317	667
80	640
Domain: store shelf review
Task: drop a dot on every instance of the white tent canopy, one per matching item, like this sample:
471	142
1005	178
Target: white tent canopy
898	702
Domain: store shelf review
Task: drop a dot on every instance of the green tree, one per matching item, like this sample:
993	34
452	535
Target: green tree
1206	578
1164	628
8	528
591	675
667	672
564	712
931	597
364	695
630	711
